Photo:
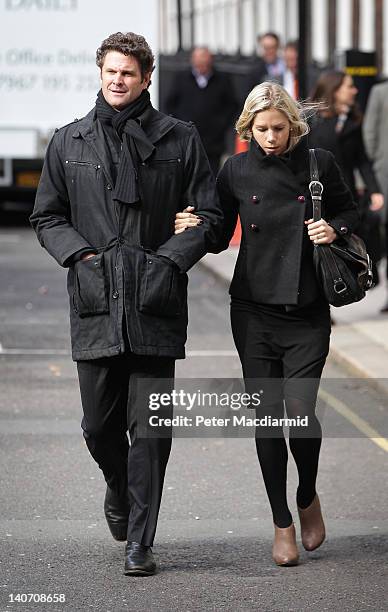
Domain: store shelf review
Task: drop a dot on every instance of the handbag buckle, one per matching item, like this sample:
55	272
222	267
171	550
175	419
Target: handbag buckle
316	189
340	286
369	281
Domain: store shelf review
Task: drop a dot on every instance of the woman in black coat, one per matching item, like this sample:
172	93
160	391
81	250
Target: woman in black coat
337	127
280	318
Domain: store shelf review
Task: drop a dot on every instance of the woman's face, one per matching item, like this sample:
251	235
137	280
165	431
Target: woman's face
346	93
271	130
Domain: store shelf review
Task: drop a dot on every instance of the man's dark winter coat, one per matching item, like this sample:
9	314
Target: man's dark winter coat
213	109
271	195
128	281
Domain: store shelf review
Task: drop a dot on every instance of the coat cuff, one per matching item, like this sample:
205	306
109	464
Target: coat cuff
341	227
173	256
77	256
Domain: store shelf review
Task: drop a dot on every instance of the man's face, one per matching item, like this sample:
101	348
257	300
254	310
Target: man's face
269	49
291	59
202	61
121	80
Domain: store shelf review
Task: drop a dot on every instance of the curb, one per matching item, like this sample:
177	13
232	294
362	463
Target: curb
336	354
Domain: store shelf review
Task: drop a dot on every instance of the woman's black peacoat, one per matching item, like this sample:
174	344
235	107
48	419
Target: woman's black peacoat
271	195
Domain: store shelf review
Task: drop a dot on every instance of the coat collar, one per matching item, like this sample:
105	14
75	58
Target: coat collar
154	124
296	159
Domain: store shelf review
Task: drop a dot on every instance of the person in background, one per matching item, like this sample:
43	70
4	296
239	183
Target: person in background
280	317
268	65
375	132
337	127
290	79
205	96
270	54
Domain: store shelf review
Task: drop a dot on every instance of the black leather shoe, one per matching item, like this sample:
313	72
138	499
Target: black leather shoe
139	560
116	513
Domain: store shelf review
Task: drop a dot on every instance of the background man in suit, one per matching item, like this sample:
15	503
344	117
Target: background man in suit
270	54
206	97
268	65
375	132
290	76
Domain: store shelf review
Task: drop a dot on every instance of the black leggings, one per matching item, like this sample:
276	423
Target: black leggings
287	352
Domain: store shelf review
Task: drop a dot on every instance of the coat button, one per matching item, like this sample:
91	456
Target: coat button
255	199
254	227
343	229
115	295
109	187
301	198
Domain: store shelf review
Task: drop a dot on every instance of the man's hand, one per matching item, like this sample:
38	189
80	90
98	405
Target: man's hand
320	232
86	256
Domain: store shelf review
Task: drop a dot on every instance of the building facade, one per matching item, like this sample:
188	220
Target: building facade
231	26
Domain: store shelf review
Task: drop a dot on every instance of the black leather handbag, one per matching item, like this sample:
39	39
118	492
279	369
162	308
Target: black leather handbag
344	269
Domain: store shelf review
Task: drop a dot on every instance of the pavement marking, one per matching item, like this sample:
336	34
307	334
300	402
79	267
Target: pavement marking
10	238
39	427
26	351
354	419
212	353
335	403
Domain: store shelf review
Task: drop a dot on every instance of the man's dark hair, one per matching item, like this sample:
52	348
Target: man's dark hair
272	34
128	43
292	44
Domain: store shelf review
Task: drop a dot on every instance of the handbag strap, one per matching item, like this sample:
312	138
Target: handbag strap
315	186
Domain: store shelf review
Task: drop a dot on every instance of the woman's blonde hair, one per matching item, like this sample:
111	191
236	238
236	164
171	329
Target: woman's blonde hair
270	95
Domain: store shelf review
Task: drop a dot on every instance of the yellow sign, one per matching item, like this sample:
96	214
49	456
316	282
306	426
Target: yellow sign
361	70
28	179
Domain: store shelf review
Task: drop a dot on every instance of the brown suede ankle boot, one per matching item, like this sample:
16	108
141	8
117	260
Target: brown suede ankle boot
285	551
311	525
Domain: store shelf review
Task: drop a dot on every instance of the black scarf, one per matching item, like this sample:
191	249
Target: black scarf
135	144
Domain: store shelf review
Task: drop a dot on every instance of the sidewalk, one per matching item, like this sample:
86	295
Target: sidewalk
359	339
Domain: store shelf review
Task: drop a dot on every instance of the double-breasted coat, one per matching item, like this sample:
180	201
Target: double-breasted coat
128	284
271	195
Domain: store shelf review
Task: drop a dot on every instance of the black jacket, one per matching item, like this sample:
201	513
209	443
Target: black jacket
271	195
74	210
347	148
213	109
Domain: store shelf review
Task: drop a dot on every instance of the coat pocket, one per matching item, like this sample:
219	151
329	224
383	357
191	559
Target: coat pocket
162	288
90	291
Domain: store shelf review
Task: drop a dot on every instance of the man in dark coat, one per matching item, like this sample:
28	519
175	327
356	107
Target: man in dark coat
206	97
269	66
105	207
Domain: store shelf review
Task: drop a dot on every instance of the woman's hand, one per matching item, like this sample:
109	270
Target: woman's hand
376	201
320	232
186	219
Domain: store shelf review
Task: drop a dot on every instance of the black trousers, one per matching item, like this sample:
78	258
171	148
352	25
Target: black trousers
114	394
287	351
